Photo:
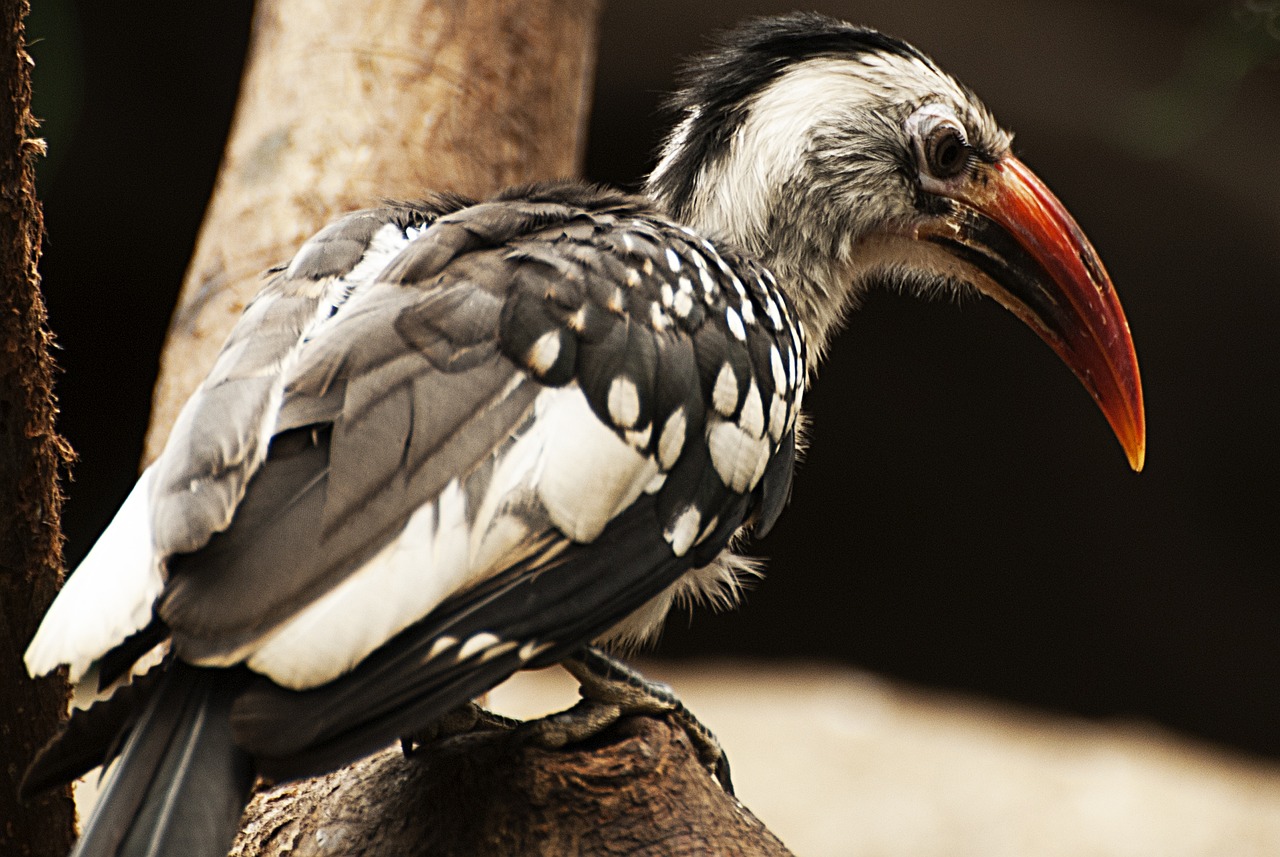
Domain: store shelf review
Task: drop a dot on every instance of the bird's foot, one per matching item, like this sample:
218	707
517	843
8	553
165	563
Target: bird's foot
464	719
612	690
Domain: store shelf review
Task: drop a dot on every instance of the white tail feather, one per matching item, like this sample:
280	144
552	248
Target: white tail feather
109	595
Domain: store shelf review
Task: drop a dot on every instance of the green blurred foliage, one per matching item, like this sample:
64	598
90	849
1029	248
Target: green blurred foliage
1229	44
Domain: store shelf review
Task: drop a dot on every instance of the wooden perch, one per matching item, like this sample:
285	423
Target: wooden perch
339	109
639	791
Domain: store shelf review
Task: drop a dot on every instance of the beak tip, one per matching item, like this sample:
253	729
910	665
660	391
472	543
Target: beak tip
1134	442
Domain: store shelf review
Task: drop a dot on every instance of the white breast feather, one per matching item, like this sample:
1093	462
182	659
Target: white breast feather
718	585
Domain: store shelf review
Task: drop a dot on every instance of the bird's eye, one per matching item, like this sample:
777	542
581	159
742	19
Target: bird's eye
946	153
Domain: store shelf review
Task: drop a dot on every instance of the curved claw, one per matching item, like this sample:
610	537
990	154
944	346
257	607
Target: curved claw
611	690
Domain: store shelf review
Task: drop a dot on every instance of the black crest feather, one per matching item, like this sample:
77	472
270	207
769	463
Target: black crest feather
716	87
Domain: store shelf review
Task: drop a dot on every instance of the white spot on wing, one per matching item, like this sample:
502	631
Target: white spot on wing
708	282
657	318
544	351
683	303
771	309
709	529
673	260
476	644
752	417
683	530
671	441
779	371
532	649
738	458
656	483
624	402
762	461
724	396
441	645
734	321
777	418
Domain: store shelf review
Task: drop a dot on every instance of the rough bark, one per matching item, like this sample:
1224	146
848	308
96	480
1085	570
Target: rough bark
31	458
639	791
344	104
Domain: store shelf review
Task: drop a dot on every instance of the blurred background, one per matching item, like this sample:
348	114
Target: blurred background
964	520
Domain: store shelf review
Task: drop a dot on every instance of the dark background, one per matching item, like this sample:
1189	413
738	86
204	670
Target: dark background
964	518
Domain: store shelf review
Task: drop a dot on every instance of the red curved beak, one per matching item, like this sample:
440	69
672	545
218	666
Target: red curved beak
1038	264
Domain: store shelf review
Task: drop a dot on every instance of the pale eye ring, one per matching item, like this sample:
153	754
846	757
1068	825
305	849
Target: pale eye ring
945	151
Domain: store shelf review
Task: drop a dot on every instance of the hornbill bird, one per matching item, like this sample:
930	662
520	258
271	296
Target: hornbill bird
453	439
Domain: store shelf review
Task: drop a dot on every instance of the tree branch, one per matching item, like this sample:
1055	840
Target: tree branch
640	790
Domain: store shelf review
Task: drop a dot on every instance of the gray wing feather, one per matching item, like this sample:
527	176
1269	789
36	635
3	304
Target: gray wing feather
425	375
218	439
221	435
409	389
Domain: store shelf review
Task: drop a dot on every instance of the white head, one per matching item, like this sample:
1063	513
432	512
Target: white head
844	158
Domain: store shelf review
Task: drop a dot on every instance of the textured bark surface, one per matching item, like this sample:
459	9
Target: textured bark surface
343	105
31	458
638	791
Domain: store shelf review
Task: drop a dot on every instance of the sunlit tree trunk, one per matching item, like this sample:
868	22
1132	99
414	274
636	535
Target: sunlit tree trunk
31	458
345	104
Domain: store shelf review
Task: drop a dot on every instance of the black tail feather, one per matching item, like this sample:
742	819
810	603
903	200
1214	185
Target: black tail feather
90	737
180	784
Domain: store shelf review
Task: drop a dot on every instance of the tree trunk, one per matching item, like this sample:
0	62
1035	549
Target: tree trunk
31	458
343	105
